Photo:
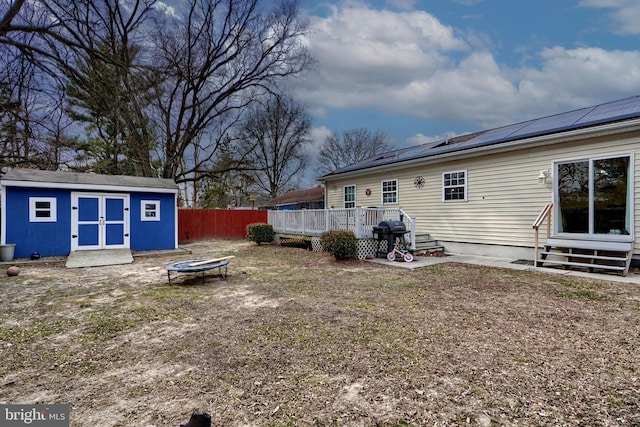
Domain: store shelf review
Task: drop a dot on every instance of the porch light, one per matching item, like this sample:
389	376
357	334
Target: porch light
544	176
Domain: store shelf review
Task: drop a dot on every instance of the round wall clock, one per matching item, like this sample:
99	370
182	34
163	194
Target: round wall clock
418	182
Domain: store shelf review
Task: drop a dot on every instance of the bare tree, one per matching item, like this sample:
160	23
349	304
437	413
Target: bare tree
89	48
229	182
354	146
32	121
275	135
215	61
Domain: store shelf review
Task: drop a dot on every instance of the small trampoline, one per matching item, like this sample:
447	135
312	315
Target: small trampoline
197	266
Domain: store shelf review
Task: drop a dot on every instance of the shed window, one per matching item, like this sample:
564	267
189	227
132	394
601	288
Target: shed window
350	196
454	186
42	209
150	210
390	192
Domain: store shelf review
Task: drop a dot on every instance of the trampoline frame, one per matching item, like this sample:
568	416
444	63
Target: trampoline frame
186	267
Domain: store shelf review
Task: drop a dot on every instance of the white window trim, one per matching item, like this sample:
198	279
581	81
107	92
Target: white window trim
631	190
53	209
143	210
383	192
344	194
444	189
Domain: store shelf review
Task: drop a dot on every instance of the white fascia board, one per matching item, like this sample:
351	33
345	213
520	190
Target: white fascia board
93	187
538	141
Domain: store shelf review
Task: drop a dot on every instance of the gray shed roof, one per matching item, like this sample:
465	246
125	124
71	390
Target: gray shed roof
84	180
615	111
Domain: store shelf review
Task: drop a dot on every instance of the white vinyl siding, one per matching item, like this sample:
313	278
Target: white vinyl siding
503	198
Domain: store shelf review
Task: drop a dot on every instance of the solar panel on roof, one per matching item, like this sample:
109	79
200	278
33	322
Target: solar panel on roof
491	136
613	110
551	123
602	113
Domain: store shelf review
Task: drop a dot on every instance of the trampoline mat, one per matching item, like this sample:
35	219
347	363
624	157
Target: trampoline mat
186	267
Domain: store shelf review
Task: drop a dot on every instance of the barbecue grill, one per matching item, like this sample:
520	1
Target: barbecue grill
389	231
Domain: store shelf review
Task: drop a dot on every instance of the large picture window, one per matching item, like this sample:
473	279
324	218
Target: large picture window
454	186
593	196
390	192
350	196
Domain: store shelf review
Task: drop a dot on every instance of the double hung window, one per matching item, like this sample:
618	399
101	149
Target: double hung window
454	186
350	196
390	192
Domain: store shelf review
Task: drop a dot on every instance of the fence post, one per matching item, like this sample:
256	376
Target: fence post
304	221
413	234
327	220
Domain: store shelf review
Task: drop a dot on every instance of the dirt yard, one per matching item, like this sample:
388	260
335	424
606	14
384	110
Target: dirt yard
293	338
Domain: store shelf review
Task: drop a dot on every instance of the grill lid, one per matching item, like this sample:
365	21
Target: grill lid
391	227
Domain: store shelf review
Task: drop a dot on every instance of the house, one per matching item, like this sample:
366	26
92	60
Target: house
488	192
55	213
311	198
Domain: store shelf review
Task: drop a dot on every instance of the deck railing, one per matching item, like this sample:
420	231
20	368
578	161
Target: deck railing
313	222
545	214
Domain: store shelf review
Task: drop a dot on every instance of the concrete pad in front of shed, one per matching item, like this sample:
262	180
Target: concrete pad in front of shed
98	258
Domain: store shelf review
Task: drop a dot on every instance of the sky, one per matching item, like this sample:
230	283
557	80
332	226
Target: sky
424	70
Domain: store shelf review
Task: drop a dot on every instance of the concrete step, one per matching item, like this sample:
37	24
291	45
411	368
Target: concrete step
424	243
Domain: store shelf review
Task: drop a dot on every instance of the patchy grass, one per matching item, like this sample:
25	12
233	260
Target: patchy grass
295	338
582	290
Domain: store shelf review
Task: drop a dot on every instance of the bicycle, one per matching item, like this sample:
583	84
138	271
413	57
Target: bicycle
404	254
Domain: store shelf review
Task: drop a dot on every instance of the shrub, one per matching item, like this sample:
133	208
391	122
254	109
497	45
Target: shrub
339	243
260	232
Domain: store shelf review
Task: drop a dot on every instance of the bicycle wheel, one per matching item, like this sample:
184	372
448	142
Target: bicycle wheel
391	256
407	257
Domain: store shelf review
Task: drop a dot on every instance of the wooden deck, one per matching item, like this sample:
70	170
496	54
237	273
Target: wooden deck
314	222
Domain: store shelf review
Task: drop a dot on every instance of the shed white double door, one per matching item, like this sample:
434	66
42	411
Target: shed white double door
99	221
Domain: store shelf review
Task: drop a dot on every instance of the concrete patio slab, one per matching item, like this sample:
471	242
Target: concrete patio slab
97	258
512	264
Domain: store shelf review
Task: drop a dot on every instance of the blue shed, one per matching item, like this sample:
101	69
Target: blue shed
55	213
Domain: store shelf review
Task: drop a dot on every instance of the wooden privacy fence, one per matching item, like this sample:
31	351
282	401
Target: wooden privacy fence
201	224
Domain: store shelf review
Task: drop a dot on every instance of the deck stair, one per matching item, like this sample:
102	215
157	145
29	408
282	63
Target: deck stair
587	254
426	244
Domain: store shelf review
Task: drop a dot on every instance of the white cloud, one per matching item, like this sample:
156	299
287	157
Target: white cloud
625	14
419	138
166	9
408	63
318	137
360	50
